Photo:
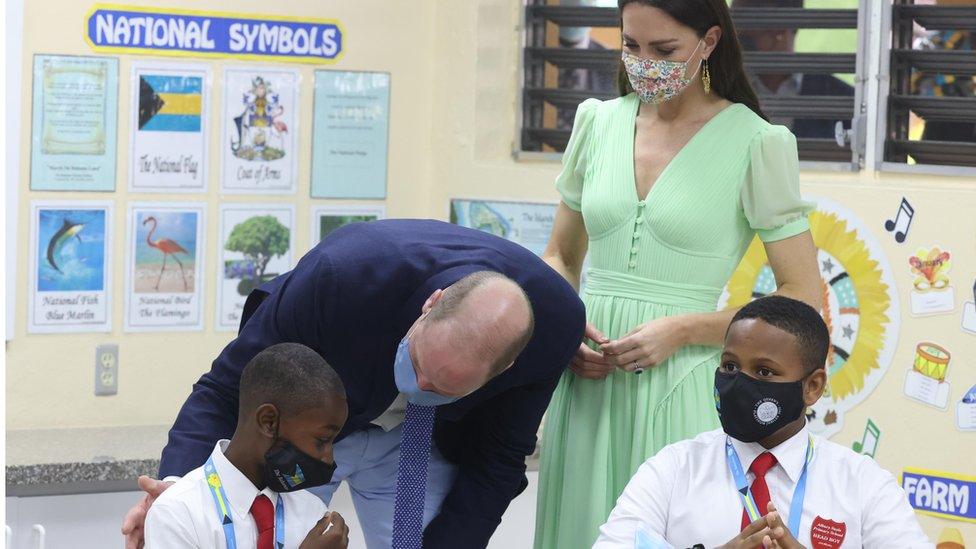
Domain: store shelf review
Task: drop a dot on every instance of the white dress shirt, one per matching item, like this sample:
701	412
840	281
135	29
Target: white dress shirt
185	515
686	495
394	415
790	87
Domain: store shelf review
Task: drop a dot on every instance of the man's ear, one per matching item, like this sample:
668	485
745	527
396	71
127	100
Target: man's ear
814	386
431	301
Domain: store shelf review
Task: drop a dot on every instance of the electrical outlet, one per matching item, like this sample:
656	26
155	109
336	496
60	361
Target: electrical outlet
106	370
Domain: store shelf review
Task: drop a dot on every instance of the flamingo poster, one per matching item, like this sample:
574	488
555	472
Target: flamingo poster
164	283
256	243
170	114
259	131
70	269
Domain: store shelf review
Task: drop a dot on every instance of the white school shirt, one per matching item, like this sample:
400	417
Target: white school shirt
185	515
686	494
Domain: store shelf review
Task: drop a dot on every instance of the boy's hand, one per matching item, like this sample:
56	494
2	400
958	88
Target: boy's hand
135	519
751	537
330	532
780	536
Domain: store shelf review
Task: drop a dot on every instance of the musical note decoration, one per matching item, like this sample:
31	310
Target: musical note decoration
900	225
868	444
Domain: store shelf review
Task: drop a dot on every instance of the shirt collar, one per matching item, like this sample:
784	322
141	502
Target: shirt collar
790	454
239	489
790	87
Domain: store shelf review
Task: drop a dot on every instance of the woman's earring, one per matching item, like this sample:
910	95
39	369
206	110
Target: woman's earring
706	78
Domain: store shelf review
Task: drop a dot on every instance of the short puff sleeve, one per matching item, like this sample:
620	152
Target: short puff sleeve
570	180
771	192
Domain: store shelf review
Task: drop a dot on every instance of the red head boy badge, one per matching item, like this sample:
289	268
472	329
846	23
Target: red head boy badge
827	534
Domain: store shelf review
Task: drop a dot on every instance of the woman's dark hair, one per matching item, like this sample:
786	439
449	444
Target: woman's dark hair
725	64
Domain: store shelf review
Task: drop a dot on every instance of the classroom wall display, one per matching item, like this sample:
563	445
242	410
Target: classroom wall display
326	219
350	134
931	291
902	221
170	114
861	307
868	445
940	494
950	538
73	126
163	285
528	224
925	381
70	266
256	243
969	314
193	33
259	131
966	411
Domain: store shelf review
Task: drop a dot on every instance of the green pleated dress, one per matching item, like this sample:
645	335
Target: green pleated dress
668	254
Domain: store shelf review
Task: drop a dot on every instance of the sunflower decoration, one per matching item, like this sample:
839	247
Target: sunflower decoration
860	308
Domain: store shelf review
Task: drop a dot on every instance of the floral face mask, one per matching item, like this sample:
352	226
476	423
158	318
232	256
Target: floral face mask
658	80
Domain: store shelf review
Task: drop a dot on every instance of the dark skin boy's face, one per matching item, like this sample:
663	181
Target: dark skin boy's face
764	352
311	431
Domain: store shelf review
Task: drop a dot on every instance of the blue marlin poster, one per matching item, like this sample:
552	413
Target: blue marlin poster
70	267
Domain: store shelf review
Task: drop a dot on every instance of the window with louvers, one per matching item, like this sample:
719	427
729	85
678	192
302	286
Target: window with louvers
557	78
931	116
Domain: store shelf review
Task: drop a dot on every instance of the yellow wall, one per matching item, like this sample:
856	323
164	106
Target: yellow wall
50	377
454	69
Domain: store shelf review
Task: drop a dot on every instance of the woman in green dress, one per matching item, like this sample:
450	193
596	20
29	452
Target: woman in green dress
665	187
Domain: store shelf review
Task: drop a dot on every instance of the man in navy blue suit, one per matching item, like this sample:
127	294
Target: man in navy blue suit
449	342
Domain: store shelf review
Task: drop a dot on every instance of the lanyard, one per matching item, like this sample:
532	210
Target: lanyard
749	504
223	508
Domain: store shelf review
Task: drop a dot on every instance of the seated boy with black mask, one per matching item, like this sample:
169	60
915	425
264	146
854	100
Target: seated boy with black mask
763	478
251	491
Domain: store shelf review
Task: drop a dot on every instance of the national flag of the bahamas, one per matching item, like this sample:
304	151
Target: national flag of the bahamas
170	103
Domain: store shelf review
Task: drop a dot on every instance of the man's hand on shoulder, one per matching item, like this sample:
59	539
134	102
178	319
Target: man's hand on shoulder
134	523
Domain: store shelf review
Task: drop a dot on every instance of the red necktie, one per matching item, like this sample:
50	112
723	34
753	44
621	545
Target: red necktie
760	491
263	512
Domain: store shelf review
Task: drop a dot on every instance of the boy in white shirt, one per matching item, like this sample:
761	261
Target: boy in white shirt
251	492
763	478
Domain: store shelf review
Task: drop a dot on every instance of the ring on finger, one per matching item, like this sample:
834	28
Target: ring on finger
637	368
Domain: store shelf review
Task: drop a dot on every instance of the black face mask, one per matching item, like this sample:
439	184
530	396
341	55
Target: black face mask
287	469
751	409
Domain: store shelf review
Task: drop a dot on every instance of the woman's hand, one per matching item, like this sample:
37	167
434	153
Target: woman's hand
647	345
590	364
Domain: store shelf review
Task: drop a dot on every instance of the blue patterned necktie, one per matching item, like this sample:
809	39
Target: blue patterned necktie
408	511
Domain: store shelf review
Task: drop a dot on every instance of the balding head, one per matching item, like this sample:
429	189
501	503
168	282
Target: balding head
471	332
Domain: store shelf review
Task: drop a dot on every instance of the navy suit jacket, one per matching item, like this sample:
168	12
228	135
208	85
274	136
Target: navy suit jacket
352	298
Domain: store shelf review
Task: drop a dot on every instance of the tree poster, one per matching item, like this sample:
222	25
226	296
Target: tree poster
256	243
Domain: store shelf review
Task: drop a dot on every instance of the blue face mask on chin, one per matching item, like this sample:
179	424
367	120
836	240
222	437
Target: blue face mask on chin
406	380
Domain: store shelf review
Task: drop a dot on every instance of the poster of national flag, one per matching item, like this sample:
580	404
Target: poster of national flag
170	111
